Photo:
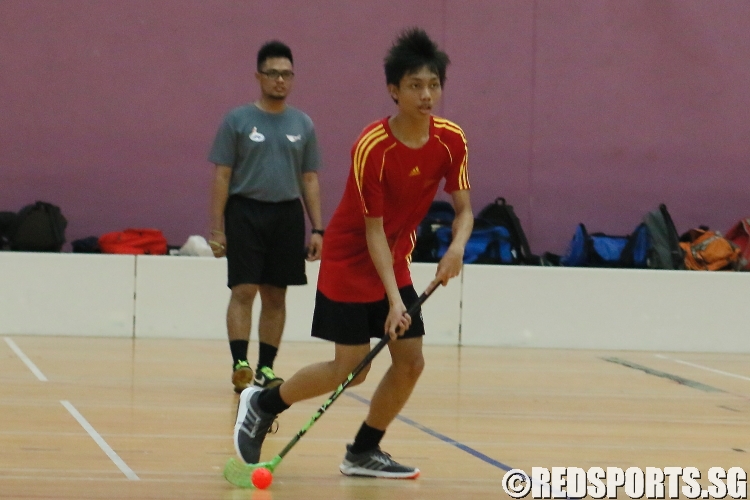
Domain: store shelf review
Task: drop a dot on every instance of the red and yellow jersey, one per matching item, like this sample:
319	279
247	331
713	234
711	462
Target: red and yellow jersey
390	180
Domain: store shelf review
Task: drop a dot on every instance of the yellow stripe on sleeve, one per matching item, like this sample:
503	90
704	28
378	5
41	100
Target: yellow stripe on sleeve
463	174
363	149
447	124
413	241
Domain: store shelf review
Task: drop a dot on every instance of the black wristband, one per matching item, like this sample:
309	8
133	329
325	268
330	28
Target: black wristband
318	231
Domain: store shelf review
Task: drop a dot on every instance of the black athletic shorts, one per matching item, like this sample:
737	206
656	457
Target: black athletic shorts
352	323
265	242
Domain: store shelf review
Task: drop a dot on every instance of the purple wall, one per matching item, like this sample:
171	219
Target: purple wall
575	111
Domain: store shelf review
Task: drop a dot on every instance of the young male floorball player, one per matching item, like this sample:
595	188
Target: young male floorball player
364	285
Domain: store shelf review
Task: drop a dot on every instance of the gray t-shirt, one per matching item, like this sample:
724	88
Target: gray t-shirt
268	152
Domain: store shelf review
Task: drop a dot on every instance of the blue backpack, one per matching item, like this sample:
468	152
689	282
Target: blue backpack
488	244
601	250
499	213
439	216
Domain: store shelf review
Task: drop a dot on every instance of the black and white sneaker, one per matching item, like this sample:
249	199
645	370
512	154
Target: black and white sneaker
251	426
375	463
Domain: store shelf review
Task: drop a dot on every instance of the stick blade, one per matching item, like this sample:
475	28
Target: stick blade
239	474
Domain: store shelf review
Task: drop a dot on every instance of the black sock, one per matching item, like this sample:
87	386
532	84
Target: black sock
266	355
368	438
270	401
239	350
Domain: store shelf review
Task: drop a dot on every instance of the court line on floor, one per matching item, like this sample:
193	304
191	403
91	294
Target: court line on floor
669	376
713	370
36	371
442	437
119	462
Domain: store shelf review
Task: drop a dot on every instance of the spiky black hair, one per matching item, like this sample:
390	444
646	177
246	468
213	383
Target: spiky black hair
411	51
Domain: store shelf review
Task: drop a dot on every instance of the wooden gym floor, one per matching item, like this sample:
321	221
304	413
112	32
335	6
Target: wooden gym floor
85	418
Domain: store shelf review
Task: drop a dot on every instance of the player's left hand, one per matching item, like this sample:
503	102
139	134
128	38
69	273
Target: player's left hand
315	247
397	321
218	244
450	265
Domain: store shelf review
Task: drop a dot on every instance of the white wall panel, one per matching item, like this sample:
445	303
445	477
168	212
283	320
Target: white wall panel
442	311
187	297
300	304
66	294
180	297
606	309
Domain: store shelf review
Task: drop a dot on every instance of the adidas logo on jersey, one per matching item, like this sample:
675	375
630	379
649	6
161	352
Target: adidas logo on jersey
414	171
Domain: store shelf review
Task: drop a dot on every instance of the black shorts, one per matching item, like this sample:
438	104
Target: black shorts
352	323
265	242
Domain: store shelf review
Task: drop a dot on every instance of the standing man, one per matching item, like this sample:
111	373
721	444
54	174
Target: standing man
364	285
266	158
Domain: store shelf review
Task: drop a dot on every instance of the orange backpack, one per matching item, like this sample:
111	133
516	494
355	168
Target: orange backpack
740	236
134	242
709	251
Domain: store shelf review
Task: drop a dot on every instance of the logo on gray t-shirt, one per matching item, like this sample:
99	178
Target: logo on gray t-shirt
268	152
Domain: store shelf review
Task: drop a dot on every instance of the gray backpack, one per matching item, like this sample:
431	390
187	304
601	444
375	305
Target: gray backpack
664	251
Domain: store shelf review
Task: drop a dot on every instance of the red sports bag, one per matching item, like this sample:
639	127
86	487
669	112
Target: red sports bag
134	242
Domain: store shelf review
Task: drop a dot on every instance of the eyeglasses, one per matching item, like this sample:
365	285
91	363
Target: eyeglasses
274	74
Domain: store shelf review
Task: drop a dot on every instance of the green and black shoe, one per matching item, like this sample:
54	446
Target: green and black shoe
266	378
242	376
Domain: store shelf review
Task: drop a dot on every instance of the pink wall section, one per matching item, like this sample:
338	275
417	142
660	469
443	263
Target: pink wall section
575	111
